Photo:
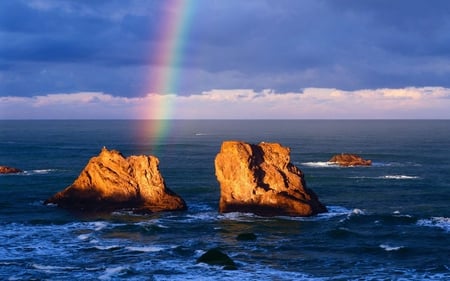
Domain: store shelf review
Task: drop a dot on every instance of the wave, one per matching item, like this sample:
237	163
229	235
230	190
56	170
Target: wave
399	177
388	177
326	164
111	272
389	248
38	172
319	164
145	249
439	222
51	268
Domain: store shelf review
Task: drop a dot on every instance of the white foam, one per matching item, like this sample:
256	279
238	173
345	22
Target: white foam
399	177
84	237
357	212
50	268
320	164
106	248
334	211
389	248
99	225
440	222
111	271
147	249
38	172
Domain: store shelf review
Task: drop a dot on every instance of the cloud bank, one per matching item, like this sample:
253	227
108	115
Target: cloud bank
66	46
310	103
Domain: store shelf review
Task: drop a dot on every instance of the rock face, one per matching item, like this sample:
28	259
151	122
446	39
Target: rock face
110	182
260	179
9	170
347	160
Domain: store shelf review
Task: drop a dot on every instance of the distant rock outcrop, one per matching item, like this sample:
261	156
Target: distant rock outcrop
346	160
9	170
110	182
260	179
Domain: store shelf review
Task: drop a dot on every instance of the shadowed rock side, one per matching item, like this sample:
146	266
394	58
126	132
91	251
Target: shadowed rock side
110	182
346	160
260	179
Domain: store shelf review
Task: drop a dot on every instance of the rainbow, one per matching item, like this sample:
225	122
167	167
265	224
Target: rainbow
173	26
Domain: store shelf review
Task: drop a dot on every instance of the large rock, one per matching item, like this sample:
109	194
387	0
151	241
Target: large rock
9	170
110	182
346	160
260	179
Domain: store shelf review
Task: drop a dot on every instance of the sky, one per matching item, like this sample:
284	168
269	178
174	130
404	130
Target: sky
217	59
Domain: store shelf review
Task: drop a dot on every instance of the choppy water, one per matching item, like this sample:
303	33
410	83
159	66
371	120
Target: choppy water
390	221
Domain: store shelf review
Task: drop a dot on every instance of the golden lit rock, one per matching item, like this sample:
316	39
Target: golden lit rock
110	182
260	179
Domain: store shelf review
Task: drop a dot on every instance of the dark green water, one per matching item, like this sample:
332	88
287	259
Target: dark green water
390	221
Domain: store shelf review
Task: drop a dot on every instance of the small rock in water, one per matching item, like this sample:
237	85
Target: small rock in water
216	257
9	170
246	236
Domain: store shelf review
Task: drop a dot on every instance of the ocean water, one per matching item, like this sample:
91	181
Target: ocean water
390	221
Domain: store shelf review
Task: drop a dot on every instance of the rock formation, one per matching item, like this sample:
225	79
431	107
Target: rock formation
346	160
260	179
9	170
110	182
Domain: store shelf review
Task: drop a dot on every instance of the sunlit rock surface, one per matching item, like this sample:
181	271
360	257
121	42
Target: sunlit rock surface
9	170
346	160
260	179
110	182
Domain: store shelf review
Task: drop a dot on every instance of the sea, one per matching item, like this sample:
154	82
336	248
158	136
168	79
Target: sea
389	221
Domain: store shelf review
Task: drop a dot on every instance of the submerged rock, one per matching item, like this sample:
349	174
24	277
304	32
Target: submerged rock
248	236
260	179
9	170
346	160
110	182
216	257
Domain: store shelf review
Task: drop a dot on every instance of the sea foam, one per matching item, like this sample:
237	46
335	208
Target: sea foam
440	222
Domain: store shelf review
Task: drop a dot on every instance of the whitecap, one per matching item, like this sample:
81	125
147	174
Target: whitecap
51	268
398	214
111	271
99	225
399	177
38	172
357	212
334	211
84	237
320	164
389	248
238	216
146	249
440	222
106	248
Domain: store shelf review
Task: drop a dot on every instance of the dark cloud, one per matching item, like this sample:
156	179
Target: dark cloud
110	46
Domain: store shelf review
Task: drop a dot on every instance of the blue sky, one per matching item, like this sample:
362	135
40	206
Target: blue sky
289	58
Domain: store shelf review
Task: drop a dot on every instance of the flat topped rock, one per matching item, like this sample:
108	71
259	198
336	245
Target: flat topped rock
347	159
110	182
261	179
9	170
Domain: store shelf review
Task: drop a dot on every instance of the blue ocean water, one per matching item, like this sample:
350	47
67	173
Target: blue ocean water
390	221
